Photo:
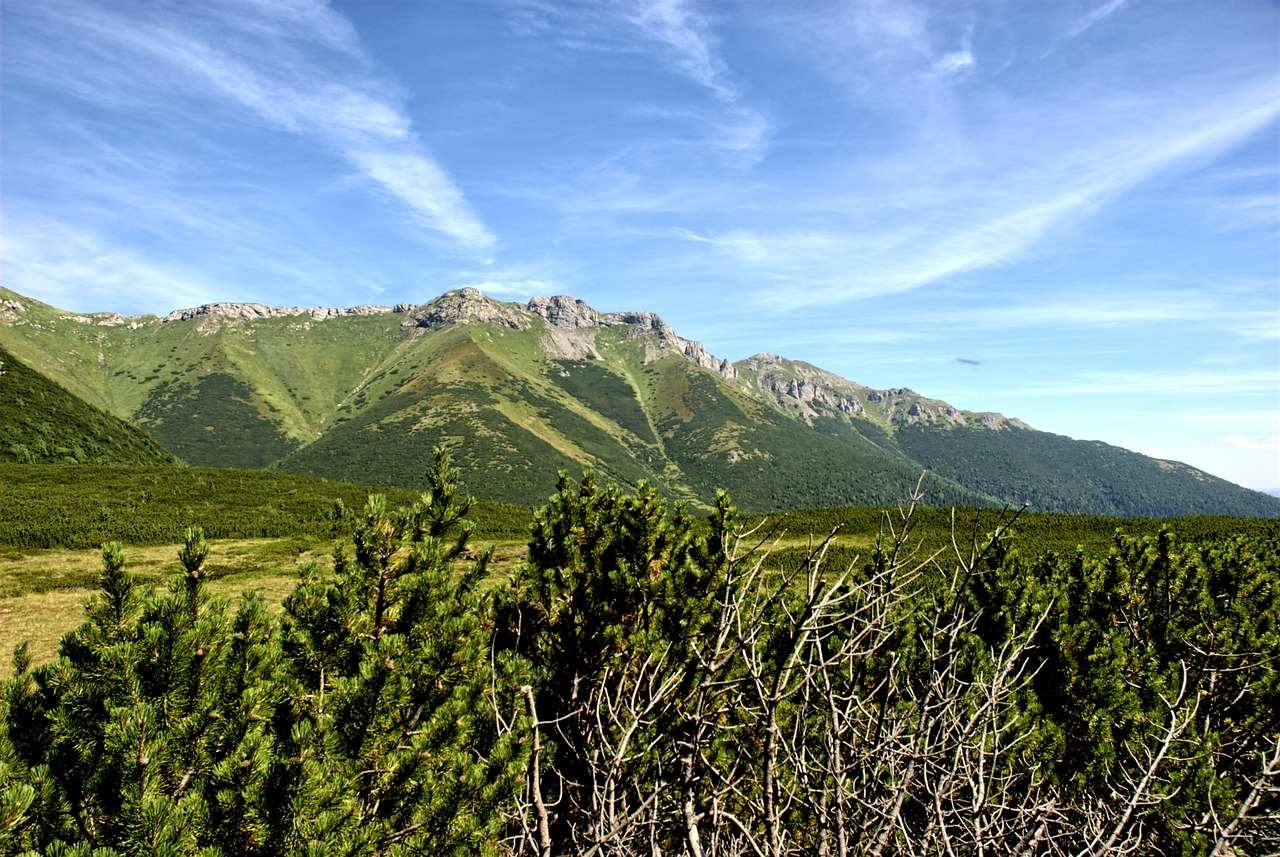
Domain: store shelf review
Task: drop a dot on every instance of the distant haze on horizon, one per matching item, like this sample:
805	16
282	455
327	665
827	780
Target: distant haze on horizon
1068	212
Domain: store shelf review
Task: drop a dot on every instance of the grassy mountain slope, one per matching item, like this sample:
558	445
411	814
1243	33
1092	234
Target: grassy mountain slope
1050	471
43	423
721	438
518	415
216	391
523	391
444	388
247	396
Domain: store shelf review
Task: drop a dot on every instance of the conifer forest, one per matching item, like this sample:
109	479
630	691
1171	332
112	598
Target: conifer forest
648	683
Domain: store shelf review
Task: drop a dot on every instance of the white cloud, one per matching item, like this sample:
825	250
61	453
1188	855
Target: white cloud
1030	185
953	62
1093	311
687	38
1243	442
521	289
1171	382
272	64
1084	22
690	47
683	40
419	183
300	19
79	270
893	27
957	61
901	49
1252	211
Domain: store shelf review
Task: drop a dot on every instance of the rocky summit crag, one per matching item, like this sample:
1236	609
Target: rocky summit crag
523	390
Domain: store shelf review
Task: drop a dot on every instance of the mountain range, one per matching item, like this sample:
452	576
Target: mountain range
521	391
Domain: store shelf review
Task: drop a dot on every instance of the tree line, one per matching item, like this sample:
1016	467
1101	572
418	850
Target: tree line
648	684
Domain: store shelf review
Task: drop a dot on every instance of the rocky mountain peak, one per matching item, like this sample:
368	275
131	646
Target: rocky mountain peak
810	392
565	313
804	389
999	422
466	306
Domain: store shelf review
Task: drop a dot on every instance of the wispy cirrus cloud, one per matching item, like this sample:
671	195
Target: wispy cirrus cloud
682	39
683	36
687	39
689	45
1242	442
996	210
296	66
1094	16
888	48
77	269
1125	307
892	28
1181	382
312	20
954	62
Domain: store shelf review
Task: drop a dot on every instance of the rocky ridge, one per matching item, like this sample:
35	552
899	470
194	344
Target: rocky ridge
801	388
565	312
804	389
465	306
571	324
360	398
570	332
254	312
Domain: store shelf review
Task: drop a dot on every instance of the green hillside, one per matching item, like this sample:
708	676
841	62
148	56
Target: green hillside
523	391
1057	473
721	439
517	415
43	423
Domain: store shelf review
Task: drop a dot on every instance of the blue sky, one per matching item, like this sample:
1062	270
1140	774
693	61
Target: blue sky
1064	210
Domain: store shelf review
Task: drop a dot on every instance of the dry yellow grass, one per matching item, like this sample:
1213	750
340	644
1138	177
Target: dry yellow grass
42	593
40	619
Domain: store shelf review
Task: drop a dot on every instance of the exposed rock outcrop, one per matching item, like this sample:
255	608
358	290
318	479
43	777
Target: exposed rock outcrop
11	310
907	407
851	407
254	312
804	389
566	313
808	391
998	422
101	319
464	306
